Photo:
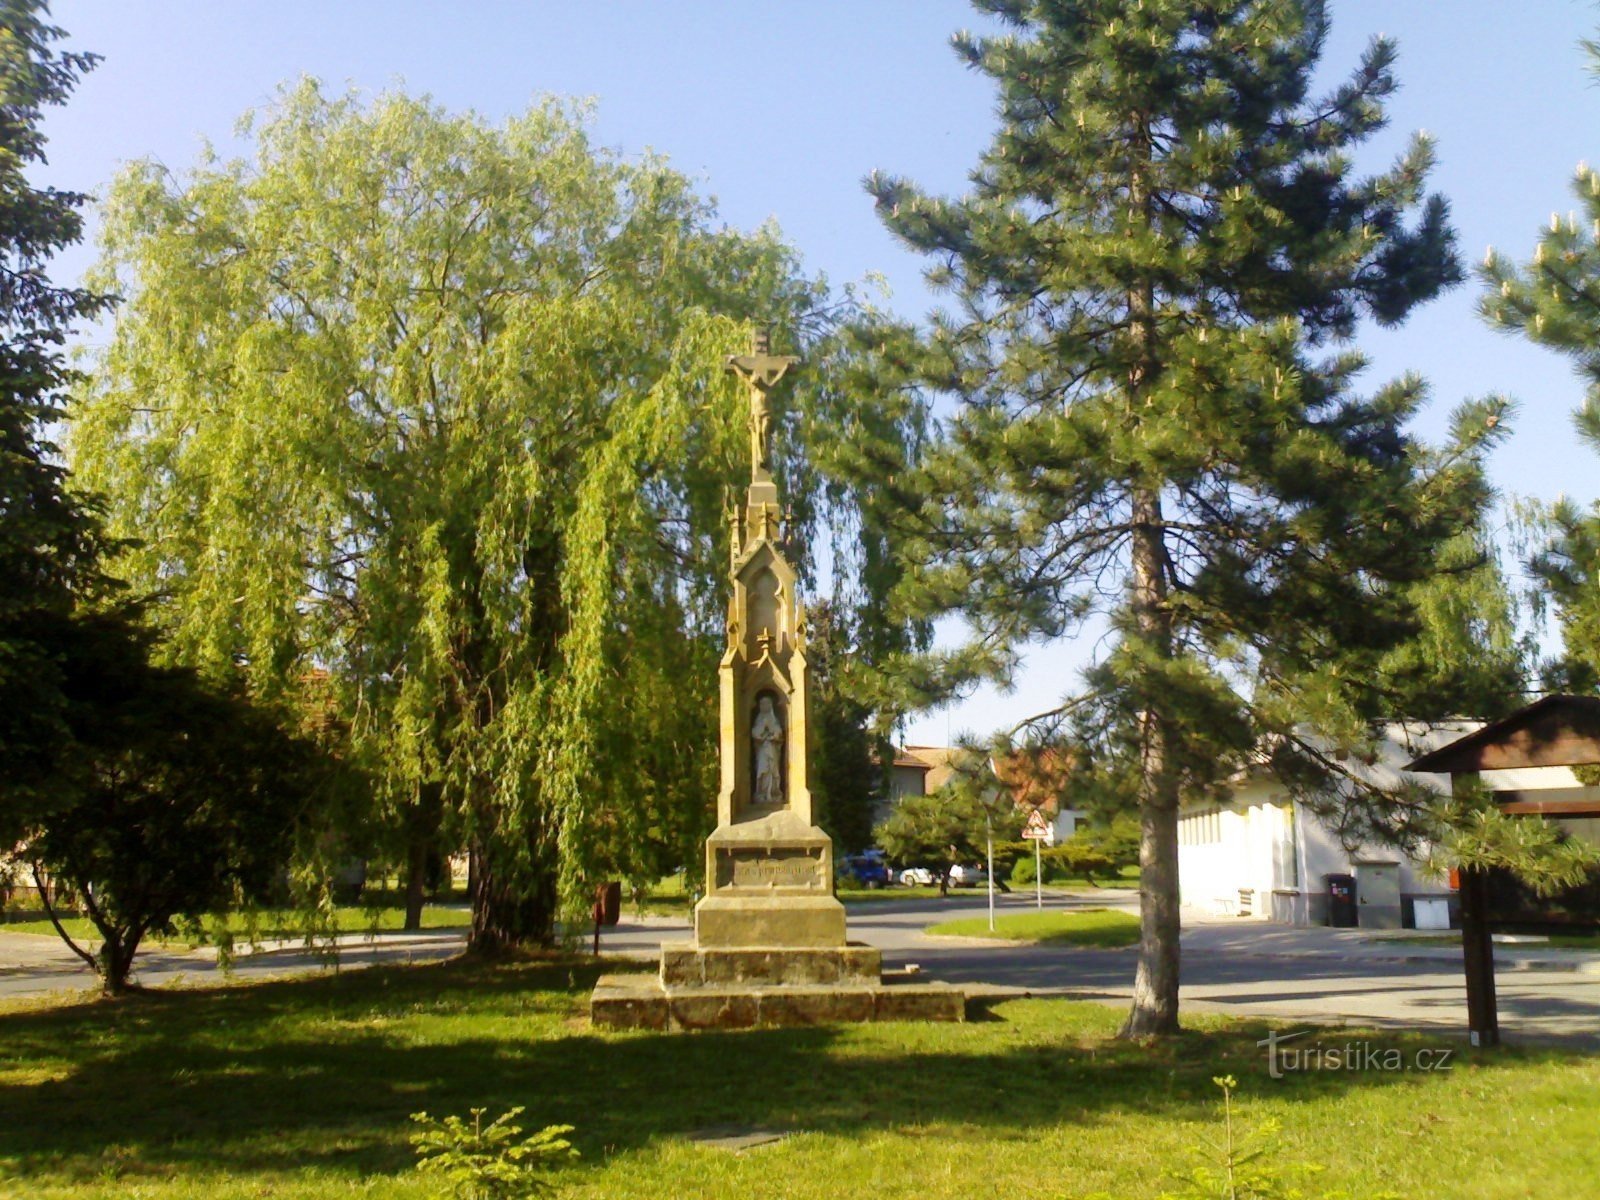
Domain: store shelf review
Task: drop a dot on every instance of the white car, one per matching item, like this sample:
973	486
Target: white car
916	877
961	876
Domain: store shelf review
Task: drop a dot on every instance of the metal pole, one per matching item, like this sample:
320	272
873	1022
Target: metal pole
1038	875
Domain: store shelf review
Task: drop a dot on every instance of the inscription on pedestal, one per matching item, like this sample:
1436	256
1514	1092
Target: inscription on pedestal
770	868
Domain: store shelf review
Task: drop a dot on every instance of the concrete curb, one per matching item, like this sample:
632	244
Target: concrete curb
1502	965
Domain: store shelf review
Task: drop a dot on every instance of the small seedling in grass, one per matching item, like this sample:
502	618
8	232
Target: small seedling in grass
493	1161
1234	1169
1241	1166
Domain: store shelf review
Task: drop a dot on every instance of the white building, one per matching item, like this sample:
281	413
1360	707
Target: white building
1266	856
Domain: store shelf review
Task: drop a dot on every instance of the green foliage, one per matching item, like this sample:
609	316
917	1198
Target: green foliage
1553	302
952	825
933	831
1466	658
1073	857
475	376
1088	854
1022	869
1243	1166
488	1162
50	541
847	773
187	801
1474	832
1154	279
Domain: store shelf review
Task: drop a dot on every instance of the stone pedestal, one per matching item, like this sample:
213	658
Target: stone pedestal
687	965
769	938
642	1002
769	882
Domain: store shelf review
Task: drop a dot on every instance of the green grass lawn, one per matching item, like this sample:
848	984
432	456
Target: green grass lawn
1083	927
272	926
1574	941
300	1090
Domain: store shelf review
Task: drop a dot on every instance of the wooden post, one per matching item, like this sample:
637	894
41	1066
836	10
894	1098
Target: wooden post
1477	950
1477	953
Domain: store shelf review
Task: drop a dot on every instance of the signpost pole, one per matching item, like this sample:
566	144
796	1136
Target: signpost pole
1037	830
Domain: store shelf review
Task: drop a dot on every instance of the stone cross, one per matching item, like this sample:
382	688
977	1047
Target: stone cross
761	370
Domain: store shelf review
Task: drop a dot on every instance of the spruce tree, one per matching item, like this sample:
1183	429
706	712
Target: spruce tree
1154	281
49	542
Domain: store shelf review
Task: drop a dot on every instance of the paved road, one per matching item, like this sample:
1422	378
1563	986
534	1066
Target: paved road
1242	967
31	965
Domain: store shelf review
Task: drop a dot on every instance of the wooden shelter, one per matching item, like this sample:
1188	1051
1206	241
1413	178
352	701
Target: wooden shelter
1557	731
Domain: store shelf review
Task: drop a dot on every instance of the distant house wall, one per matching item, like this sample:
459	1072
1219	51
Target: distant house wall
908	776
907	780
1265	856
1066	823
1245	846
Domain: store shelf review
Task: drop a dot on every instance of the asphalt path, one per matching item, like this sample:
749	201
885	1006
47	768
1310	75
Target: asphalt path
1246	968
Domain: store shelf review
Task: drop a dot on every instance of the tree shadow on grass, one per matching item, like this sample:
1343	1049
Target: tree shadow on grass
325	1072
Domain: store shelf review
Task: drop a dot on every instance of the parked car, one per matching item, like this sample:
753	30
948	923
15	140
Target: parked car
864	870
962	876
917	877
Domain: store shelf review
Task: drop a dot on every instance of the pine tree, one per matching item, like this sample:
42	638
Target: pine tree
1154	280
49	542
1554	301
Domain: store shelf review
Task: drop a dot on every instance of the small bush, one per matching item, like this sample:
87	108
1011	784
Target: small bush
1022	871
488	1162
1074	859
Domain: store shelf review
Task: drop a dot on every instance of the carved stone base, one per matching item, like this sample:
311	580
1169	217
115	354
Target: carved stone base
727	919
686	965
642	1002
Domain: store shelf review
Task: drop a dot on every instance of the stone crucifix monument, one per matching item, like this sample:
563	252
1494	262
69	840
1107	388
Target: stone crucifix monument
769	944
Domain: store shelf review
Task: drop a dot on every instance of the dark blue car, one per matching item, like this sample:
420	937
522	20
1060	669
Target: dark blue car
864	870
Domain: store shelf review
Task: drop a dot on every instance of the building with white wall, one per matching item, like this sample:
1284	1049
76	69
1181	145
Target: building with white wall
1265	856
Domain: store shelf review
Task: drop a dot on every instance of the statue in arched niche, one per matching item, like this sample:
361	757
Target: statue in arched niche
766	752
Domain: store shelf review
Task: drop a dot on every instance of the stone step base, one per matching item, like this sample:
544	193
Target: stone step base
686	965
641	1002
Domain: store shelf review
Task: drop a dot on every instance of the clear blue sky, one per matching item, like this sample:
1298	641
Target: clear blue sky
779	109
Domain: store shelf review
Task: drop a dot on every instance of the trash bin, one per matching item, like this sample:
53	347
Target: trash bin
1342	901
608	903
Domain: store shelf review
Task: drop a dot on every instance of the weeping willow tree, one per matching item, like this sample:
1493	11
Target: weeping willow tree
429	416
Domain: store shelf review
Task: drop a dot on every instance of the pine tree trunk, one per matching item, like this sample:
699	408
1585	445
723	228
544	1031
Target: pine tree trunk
1155	983
1477	955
